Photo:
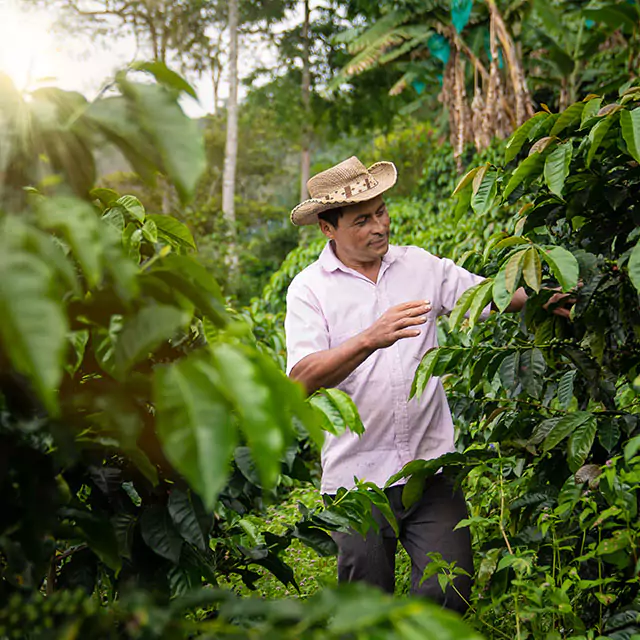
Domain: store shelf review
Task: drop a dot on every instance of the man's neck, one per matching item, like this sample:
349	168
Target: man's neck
368	269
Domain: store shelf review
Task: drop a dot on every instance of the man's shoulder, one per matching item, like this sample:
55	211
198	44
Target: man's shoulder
307	276
410	252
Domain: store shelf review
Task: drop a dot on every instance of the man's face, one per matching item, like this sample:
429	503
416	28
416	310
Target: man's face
362	234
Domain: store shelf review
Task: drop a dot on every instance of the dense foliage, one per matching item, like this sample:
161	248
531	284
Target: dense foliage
551	401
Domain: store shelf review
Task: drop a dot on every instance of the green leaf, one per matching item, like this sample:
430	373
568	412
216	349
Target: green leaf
102	539
521	134
570	116
513	270
565	388
462	306
465	180
596	136
485	193
165	76
79	225
195	424
159	533
631	448
481	299
509	370
424	372
634	266
115	217
259	408
133	207
501	296
565	427
564	266
105	196
184	518
379	498
532	370
630	124
124	528
529	169
339	409
590	111
147	330
580	443
556	167
150	231
176	137
33	329
532	269
173	231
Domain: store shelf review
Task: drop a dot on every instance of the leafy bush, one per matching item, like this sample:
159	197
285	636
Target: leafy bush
546	407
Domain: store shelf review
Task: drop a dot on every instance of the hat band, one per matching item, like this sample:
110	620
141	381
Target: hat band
365	183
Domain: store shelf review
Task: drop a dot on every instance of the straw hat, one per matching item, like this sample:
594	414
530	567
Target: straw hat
346	183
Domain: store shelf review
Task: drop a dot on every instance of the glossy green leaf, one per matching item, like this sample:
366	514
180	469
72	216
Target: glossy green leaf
580	443
484	196
105	196
258	407
596	136
173	231
133	207
145	331
339	409
521	135
565	388
79	225
564	266
115	217
195	424
462	306
513	270
634	266
150	231
501	295
33	326
424	372
532	269
569	117
185	519
465	180
529	169
532	369
509	370
480	300
590	111
159	533
565	427
556	167
165	76
630	124
176	137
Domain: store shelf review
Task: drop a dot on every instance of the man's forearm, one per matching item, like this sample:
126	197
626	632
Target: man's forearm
329	368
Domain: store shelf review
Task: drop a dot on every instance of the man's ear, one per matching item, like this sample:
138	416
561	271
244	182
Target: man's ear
326	228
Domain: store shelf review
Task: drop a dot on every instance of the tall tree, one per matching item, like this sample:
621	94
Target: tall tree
305	154
231	147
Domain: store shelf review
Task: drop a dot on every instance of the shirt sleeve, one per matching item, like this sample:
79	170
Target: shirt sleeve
305	325
455	281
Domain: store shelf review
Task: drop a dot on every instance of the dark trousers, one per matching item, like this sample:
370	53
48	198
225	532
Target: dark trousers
427	526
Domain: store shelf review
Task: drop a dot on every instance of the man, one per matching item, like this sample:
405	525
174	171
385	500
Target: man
360	319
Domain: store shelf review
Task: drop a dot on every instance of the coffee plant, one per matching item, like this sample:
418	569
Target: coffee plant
547	407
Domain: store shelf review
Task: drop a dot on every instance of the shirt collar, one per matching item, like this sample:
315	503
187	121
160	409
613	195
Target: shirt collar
329	261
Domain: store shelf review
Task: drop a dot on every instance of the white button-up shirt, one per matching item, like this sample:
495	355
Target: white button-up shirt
328	303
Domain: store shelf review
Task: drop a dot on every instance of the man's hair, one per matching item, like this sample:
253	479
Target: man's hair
331	216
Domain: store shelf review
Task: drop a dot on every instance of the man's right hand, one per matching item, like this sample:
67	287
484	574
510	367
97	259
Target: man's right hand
397	323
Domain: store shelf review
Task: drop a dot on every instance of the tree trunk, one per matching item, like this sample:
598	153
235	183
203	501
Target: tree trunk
305	156
231	147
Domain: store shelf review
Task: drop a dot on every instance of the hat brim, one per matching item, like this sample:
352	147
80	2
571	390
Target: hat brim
307	212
